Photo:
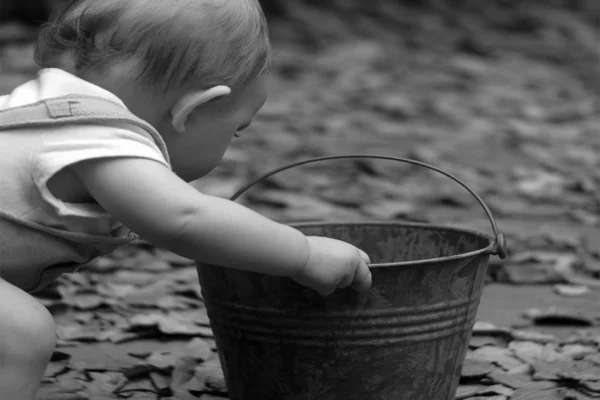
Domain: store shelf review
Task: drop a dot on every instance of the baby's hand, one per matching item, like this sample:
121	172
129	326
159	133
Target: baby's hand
334	264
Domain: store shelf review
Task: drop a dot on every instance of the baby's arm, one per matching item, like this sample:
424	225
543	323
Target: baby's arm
160	207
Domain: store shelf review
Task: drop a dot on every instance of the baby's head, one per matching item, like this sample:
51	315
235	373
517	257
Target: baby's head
205	60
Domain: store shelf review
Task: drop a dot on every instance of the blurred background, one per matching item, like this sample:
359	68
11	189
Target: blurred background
504	94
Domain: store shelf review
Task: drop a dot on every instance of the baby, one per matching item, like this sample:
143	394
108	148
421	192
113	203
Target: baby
135	99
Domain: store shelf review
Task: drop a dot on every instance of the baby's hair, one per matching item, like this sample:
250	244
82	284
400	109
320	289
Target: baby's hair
177	42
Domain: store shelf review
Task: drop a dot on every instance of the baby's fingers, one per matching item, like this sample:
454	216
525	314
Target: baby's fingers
362	278
325	290
365	256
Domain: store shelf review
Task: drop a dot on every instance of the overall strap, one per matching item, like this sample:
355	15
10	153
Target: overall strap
73	109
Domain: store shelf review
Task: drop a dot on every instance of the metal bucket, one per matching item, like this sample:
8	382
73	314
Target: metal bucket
406	338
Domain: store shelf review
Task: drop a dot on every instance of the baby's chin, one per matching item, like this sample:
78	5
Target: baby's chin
192	175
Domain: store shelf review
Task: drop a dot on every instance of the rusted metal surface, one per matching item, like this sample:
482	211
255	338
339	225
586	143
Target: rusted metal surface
406	338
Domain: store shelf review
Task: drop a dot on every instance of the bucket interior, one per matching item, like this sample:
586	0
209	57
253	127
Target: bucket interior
401	242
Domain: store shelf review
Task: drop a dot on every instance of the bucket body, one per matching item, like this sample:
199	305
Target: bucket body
406	338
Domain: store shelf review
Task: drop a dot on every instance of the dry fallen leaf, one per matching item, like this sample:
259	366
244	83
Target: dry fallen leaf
499	356
54	369
213	376
549	371
512	381
198	349
489	329
195	385
162	360
540	184
523	369
184	370
590	241
390	209
530	352
467	391
348	195
470	391
571	290
78	332
497	389
103	385
559	316
588	251
63	390
591	387
162	383
538	391
593	358
169	324
532	267
583	337
170	302
476	368
120	336
134	278
479	341
138	388
582	370
578	351
532	336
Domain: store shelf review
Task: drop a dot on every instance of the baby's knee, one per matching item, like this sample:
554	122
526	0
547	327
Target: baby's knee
38	332
27	331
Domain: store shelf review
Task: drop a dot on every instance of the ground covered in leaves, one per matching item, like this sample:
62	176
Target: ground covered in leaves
510	109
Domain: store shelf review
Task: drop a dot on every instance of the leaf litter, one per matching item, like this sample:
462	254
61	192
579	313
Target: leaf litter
490	108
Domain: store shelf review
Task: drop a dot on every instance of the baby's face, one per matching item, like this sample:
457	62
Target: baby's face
210	128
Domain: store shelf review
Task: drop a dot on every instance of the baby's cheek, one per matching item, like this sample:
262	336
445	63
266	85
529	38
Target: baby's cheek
217	153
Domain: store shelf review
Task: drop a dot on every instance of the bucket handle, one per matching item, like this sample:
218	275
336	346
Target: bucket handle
499	249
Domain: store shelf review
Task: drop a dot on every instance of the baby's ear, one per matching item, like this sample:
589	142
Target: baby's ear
188	103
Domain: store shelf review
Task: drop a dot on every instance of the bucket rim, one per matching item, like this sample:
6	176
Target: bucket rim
486	250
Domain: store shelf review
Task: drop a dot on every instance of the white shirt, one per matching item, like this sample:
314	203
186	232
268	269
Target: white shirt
59	232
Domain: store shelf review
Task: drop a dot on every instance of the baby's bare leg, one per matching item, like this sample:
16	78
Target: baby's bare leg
27	340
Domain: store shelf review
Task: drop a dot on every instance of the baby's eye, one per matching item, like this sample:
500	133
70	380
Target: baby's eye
241	128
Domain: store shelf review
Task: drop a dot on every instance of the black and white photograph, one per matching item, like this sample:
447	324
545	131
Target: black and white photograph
300	199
